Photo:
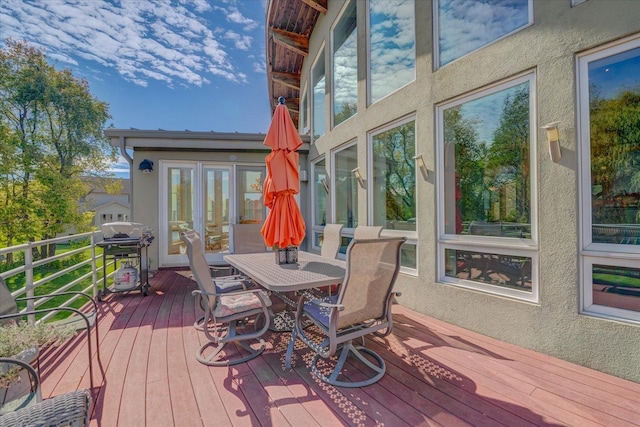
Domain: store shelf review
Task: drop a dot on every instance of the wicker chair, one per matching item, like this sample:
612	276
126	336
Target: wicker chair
78	320
72	409
224	313
362	307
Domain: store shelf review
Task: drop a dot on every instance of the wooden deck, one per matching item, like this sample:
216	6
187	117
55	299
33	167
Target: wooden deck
437	374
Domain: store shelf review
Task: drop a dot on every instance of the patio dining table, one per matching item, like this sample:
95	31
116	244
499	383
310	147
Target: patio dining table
310	272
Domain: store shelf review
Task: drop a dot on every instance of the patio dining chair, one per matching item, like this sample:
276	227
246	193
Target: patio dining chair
71	409
362	307
331	240
367	232
225	314
78	320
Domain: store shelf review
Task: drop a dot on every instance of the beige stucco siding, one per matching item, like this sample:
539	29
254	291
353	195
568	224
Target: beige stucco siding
548	48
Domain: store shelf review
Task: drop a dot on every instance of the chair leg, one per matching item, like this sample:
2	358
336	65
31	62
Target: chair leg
218	358
379	368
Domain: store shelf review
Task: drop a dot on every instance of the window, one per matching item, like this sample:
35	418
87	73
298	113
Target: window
304	111
345	186
392	58
345	65
485	144
609	93
251	208
317	80
393	183
463	26
320	190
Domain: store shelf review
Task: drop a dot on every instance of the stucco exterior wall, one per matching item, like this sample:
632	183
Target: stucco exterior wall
548	47
146	186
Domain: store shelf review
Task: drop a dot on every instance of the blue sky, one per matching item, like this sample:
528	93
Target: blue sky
173	65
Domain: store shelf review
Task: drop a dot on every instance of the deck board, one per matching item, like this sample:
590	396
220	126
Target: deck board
437	374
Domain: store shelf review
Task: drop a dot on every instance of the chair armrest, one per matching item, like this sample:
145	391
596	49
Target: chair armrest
32	397
84	316
323	303
82	294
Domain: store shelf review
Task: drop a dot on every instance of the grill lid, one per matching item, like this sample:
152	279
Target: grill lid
111	230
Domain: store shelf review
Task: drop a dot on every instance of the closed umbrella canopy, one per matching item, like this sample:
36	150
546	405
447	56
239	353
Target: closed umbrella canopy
284	225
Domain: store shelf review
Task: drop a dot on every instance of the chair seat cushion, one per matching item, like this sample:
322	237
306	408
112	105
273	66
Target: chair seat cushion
234	304
319	313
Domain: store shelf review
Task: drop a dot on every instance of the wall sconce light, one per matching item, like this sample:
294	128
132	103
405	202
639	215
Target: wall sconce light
358	175
146	166
553	138
325	184
423	168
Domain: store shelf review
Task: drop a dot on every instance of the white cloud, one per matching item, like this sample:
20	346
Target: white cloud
151	40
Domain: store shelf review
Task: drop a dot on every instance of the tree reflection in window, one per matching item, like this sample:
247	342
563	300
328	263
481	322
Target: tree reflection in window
394	178
614	118
487	158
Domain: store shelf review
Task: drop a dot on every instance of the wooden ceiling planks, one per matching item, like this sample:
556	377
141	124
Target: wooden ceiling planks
289	26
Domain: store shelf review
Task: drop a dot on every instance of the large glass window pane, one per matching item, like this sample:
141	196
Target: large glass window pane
614	118
392	43
394	178
346	187
304	110
180	207
320	190
250	207
487	164
506	271
617	287
216	210
345	66
467	25
317	79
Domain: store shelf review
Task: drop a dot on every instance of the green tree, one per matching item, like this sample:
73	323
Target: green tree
509	157
615	154
52	134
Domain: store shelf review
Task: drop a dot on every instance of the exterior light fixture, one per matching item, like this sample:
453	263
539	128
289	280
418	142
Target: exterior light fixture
325	184
146	166
420	164
358	175
553	138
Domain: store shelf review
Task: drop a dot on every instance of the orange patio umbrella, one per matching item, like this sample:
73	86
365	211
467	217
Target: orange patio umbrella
284	225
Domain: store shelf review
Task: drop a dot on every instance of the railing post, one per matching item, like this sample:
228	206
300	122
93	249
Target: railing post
28	276
94	273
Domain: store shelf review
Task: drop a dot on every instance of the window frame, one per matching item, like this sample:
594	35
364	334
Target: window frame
369	56
346	231
411	236
436	36
478	243
312	125
609	254
318	229
347	4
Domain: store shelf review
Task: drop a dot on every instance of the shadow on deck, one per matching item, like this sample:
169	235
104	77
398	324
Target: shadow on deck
437	374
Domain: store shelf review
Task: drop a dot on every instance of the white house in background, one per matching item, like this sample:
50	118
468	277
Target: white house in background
108	206
110	212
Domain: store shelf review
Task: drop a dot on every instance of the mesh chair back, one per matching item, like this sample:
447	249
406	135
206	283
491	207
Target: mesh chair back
7	302
367	232
247	239
372	269
331	240
197	261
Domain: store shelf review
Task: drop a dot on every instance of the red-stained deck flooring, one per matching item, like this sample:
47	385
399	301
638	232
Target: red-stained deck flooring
437	374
